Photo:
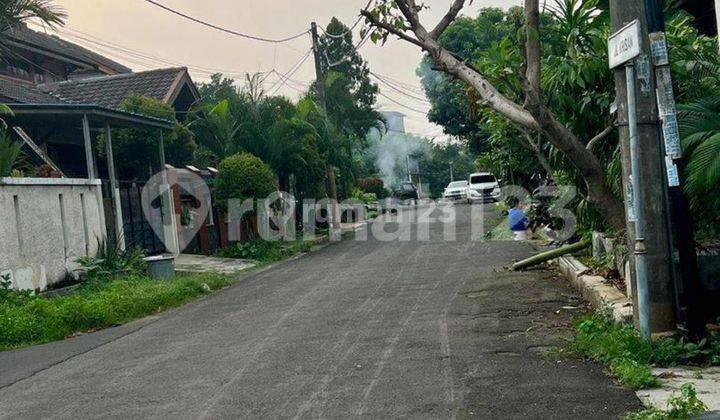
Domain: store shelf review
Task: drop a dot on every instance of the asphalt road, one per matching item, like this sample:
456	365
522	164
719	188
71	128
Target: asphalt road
420	329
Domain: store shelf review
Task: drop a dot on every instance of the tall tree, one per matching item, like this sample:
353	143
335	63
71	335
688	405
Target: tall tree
349	99
529	111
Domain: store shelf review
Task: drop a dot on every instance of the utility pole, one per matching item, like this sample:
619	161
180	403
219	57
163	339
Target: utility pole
452	178
320	90
655	246
690	311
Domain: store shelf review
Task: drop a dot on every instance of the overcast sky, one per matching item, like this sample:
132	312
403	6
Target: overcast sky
154	38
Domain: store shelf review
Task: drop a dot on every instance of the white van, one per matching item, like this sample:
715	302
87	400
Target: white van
483	187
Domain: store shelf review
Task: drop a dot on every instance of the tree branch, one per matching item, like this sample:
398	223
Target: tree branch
606	132
448	18
391	29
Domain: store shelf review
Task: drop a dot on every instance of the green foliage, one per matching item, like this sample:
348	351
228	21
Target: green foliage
293	150
26	320
265	251
110	261
244	176
139	147
9	153
14	12
217	129
366	198
700	127
619	346
630	356
349	94
373	185
436	165
684	406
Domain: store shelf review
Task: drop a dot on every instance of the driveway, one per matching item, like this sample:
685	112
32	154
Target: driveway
419	328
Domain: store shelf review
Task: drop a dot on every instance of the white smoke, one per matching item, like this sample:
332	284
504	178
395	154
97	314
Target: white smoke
390	152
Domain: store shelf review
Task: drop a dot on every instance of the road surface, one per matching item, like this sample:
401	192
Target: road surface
418	329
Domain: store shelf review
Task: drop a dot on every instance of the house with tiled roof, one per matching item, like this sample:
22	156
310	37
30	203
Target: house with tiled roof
66	104
40	68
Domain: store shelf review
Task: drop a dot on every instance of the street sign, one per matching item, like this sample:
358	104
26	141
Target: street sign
624	45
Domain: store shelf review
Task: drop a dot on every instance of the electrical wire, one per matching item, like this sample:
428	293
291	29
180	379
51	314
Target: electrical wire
281	81
226	30
386	83
402	84
402	105
72	33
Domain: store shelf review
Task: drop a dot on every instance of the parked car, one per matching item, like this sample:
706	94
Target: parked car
483	187
406	191
456	190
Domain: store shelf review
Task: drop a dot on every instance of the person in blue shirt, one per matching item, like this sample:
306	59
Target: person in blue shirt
517	220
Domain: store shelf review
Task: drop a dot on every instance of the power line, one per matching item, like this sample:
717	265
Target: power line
402	105
226	30
73	33
383	81
402	84
283	76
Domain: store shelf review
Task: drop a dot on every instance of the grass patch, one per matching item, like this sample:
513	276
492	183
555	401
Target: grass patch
630	357
265	251
26	319
683	406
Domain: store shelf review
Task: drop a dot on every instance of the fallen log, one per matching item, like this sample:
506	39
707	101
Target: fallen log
552	254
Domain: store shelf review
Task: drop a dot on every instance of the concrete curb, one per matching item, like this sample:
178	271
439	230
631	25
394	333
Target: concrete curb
596	290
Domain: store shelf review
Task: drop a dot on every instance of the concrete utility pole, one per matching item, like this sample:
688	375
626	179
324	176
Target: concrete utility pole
690	310
653	189
320	90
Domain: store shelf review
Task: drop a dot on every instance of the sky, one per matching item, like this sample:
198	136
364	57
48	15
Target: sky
142	36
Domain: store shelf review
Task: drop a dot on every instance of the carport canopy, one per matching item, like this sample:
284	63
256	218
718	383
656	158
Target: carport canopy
91	117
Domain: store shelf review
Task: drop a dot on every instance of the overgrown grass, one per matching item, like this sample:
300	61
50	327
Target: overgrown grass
683	406
618	346
27	320
630	357
265	251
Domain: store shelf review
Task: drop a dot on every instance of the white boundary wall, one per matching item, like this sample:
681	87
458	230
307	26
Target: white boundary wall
45	225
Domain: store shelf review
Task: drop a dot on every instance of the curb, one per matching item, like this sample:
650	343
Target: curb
596	290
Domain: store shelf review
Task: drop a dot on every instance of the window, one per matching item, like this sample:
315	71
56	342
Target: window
483	179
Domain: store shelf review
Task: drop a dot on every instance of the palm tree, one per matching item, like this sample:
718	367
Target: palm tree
15	12
700	127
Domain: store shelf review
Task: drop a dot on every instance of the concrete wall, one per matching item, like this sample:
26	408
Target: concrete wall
45	225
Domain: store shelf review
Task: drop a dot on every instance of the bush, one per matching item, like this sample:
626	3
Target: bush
26	319
365	197
265	251
373	186
244	176
110	261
